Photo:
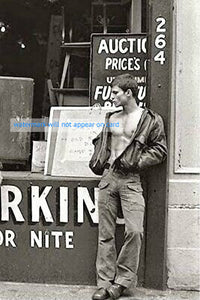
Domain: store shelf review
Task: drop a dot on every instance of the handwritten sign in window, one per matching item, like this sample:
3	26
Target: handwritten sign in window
71	149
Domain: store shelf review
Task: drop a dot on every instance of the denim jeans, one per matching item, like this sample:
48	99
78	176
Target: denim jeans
119	191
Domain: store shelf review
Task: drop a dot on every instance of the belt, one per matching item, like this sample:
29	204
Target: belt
119	172
112	167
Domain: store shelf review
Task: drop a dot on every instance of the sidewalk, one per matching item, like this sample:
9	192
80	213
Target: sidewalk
29	291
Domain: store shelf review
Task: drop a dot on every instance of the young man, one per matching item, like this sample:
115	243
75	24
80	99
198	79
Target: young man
120	154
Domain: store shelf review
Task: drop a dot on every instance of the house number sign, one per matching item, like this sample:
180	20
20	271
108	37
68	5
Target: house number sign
160	40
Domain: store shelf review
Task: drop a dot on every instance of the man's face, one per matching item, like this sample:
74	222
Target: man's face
118	96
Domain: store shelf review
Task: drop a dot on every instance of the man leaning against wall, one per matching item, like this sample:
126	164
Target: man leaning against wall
120	153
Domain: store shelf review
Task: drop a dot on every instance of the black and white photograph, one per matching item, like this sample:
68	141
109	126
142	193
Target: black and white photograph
100	148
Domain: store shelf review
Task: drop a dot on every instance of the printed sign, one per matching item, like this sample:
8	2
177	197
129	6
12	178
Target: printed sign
48	230
39	203
112	55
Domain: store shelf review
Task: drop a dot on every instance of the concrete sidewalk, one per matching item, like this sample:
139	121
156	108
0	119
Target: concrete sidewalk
29	291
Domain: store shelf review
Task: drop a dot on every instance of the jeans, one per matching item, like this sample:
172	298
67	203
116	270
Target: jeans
119	191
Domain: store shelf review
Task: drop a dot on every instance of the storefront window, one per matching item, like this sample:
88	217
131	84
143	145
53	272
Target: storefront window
82	20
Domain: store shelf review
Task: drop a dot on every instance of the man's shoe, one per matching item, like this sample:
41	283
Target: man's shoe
100	294
116	290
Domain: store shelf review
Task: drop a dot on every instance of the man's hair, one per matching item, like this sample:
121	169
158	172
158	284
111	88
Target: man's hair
125	82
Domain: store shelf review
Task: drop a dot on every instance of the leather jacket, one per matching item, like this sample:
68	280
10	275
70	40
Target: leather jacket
146	148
